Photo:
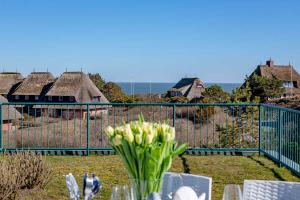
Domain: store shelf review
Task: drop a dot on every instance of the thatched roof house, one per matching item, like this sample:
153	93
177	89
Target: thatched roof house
34	86
8	111
8	82
285	73
191	88
75	87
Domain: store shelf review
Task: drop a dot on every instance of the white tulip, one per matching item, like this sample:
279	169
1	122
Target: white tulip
138	139
117	140
172	132
128	134
109	131
149	139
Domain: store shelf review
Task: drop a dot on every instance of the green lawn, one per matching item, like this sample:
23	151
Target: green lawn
223	170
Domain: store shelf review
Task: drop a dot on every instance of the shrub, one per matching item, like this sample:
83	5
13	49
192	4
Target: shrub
32	170
23	170
9	184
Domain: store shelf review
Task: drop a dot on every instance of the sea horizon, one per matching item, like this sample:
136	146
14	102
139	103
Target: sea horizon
130	88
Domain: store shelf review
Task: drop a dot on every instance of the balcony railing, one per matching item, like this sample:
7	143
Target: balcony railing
209	127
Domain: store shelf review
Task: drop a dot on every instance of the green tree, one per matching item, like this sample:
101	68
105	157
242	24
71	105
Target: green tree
113	92
264	87
216	94
97	80
242	94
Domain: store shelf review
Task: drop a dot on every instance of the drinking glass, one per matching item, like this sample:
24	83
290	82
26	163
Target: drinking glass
122	192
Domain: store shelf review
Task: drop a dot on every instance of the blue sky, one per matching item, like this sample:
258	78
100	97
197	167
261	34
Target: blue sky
157	41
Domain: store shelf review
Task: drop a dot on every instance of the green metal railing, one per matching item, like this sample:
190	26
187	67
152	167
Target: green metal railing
280	136
217	127
80	126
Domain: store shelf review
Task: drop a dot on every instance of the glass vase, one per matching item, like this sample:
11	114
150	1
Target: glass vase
142	188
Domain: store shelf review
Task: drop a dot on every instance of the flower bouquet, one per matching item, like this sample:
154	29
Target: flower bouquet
146	150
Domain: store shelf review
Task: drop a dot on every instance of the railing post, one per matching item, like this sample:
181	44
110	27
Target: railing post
174	115
1	141
88	129
259	128
279	137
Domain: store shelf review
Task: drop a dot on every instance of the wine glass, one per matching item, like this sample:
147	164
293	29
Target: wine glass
122	192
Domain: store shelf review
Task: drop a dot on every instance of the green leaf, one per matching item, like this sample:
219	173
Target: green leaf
180	149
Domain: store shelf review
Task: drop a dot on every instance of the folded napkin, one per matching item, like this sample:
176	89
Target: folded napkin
187	193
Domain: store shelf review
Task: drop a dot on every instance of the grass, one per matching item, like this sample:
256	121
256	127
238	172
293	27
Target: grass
223	170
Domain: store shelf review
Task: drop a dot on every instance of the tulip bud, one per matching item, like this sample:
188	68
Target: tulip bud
109	131
172	129
149	139
138	139
117	140
128	133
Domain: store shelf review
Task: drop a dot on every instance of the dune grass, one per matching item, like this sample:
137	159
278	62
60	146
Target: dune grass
223	170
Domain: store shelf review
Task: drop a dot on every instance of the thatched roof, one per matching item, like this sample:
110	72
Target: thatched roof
8	111
78	85
8	80
189	87
281	72
34	83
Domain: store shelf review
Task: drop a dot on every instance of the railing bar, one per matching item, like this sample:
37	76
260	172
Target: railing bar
207	122
252	125
41	135
22	125
61	138
219	135
194	127
48	125
67	121
80	136
200	126
101	125
227	110
233	131
54	131
28	127
74	123
187	126
15	122
8	131
213	125
95	123
34	122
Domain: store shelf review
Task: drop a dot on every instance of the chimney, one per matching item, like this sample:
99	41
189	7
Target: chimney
270	62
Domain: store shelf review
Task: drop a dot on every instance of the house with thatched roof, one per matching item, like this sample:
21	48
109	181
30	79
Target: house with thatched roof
9	115
75	87
9	81
34	87
191	88
286	73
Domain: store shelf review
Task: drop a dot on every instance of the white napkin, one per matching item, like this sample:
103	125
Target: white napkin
187	193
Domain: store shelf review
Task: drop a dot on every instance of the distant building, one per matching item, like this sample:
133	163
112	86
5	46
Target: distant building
34	87
9	81
191	88
74	87
285	73
9	115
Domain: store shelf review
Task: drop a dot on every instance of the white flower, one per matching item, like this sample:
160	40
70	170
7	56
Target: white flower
172	132
117	140
149	139
128	133
109	131
138	138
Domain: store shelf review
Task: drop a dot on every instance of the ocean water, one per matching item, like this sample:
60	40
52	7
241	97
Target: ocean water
161	88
